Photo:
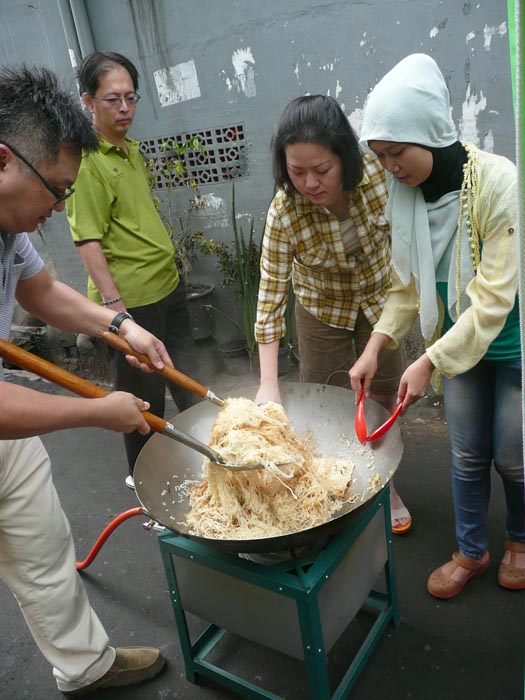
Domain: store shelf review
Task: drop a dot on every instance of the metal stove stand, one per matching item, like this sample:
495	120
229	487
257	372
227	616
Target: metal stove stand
299	607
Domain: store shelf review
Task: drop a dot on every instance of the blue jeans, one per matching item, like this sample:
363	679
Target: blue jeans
483	411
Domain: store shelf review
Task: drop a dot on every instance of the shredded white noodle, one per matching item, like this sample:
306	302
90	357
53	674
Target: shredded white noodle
305	491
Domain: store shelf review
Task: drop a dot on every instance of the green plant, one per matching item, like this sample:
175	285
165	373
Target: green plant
239	262
187	243
247	260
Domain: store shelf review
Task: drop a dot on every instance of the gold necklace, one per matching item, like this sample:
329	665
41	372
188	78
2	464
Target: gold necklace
467	197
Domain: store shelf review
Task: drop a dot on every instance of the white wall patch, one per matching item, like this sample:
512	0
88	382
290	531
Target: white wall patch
489	32
179	84
244	66
215	211
472	106
356	120
227	80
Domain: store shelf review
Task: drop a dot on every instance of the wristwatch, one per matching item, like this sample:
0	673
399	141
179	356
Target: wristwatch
117	321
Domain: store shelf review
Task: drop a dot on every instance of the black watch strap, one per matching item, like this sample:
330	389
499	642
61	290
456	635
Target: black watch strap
117	321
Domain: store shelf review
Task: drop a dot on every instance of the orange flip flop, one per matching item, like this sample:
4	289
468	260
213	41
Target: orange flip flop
397	514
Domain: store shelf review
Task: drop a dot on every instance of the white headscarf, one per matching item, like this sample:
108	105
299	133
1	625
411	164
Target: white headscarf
411	104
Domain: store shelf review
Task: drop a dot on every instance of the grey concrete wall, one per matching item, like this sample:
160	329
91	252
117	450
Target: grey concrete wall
241	61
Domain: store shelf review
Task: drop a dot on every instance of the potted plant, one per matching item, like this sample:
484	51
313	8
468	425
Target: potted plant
245	270
188	243
239	262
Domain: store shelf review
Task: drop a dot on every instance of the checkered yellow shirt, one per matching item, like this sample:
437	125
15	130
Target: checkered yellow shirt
303	244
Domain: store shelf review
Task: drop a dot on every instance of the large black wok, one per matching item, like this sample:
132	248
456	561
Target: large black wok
164	467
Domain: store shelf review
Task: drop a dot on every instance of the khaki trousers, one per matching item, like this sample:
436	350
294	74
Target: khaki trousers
325	351
38	564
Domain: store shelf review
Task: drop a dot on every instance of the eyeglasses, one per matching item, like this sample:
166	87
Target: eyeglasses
60	196
115	102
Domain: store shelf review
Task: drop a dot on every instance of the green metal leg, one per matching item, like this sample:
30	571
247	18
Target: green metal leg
314	652
390	567
180	617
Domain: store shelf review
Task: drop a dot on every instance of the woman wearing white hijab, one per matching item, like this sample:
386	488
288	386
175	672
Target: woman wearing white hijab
453	214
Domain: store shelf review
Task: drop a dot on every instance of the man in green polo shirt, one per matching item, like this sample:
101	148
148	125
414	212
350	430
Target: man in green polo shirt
120	236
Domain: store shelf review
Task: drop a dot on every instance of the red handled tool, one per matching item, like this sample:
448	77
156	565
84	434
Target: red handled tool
360	422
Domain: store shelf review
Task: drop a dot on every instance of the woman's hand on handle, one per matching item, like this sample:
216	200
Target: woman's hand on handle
362	373
414	382
365	367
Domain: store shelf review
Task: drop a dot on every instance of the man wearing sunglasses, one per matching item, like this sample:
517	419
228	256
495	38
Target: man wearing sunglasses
122	241
42	134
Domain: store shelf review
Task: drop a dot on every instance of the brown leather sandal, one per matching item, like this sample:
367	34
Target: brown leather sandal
510	575
442	585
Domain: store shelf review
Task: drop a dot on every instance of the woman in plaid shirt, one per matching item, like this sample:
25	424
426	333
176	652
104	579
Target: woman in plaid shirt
326	233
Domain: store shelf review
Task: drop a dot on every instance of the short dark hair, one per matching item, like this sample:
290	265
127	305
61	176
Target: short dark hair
317	119
37	115
96	64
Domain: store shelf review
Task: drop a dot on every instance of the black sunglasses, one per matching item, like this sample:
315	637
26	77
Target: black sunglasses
60	196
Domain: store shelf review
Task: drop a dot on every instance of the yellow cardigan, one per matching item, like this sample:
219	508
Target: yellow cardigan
493	289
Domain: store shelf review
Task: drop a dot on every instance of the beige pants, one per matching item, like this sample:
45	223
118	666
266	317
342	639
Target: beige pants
37	562
327	354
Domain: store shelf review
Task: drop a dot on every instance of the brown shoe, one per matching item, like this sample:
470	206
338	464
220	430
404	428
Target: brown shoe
509	575
132	665
442	585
